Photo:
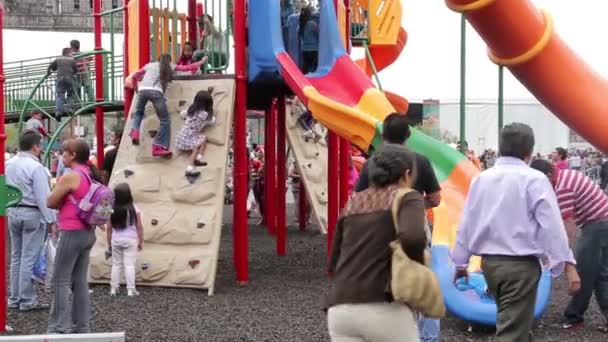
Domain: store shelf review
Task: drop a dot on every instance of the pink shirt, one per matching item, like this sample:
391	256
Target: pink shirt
561	165
68	213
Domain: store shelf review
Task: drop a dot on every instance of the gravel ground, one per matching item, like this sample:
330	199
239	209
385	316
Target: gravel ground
281	303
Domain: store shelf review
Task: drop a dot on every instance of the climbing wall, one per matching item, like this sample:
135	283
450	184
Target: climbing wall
311	158
182	220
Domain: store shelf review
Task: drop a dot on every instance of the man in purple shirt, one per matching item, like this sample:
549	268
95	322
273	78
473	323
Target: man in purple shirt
511	219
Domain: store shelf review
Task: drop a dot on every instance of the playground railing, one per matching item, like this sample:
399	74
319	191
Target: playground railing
169	32
29	87
358	22
33	94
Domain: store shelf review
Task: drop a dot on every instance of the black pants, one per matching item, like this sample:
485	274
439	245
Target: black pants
310	59
592	266
514	282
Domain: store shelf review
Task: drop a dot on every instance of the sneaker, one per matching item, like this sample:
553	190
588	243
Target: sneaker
113	292
132	293
13	306
35	307
603	328
192	173
134	136
160	151
200	163
573	325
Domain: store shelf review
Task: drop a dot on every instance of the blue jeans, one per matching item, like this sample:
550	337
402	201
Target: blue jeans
428	329
27	238
64	87
163	137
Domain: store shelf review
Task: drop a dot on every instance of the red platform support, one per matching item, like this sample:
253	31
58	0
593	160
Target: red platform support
345	144
240	228
281	211
129	92
270	169
99	96
192	24
144	33
333	179
2	184
302	206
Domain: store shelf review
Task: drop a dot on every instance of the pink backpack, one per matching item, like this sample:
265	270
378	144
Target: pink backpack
96	206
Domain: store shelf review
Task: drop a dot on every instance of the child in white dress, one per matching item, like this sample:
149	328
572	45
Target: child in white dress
198	116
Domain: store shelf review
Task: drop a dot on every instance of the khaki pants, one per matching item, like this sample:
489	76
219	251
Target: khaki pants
514	282
378	322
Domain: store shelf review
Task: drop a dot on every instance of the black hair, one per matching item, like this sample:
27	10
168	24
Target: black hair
542	166
184	47
123	213
563	154
516	140
387	166
82	153
166	73
75	44
305	16
396	128
66	52
202	101
28	139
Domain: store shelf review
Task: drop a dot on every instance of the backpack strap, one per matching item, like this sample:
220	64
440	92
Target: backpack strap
88	178
396	203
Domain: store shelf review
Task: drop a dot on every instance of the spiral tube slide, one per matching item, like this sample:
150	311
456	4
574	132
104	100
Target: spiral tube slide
522	38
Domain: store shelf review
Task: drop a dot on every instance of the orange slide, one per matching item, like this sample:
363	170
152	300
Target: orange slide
522	38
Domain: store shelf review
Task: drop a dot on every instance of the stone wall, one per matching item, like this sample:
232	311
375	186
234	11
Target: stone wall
57	15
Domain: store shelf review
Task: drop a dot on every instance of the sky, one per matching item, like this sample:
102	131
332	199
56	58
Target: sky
429	64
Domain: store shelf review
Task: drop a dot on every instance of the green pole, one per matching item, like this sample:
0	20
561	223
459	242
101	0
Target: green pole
112	54
501	98
370	59
463	62
154	31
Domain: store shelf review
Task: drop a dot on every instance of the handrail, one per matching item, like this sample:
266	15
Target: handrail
63	124
35	89
370	59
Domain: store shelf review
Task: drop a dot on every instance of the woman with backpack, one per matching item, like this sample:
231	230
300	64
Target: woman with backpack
76	238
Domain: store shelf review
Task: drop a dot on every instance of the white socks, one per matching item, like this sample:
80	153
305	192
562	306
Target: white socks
189	168
199	157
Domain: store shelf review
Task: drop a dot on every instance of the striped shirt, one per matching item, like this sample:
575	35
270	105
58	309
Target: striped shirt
580	198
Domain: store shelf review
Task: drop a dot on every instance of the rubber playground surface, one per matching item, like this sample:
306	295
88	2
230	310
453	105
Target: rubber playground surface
281	303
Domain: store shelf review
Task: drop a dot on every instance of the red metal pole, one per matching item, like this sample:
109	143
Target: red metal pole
302	206
2	185
99	96
281	223
240	229
192	25
333	178
128	91
270	169
345	144
144	33
332	187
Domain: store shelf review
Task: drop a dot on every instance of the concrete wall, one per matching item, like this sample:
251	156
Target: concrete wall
56	15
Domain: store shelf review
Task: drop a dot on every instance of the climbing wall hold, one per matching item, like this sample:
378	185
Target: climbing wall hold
194	263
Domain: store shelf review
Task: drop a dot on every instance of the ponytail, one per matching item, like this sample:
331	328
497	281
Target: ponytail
166	72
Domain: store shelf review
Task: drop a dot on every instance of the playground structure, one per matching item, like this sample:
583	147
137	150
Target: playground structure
342	97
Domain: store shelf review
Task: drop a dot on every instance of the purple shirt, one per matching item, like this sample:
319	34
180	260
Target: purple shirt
511	209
